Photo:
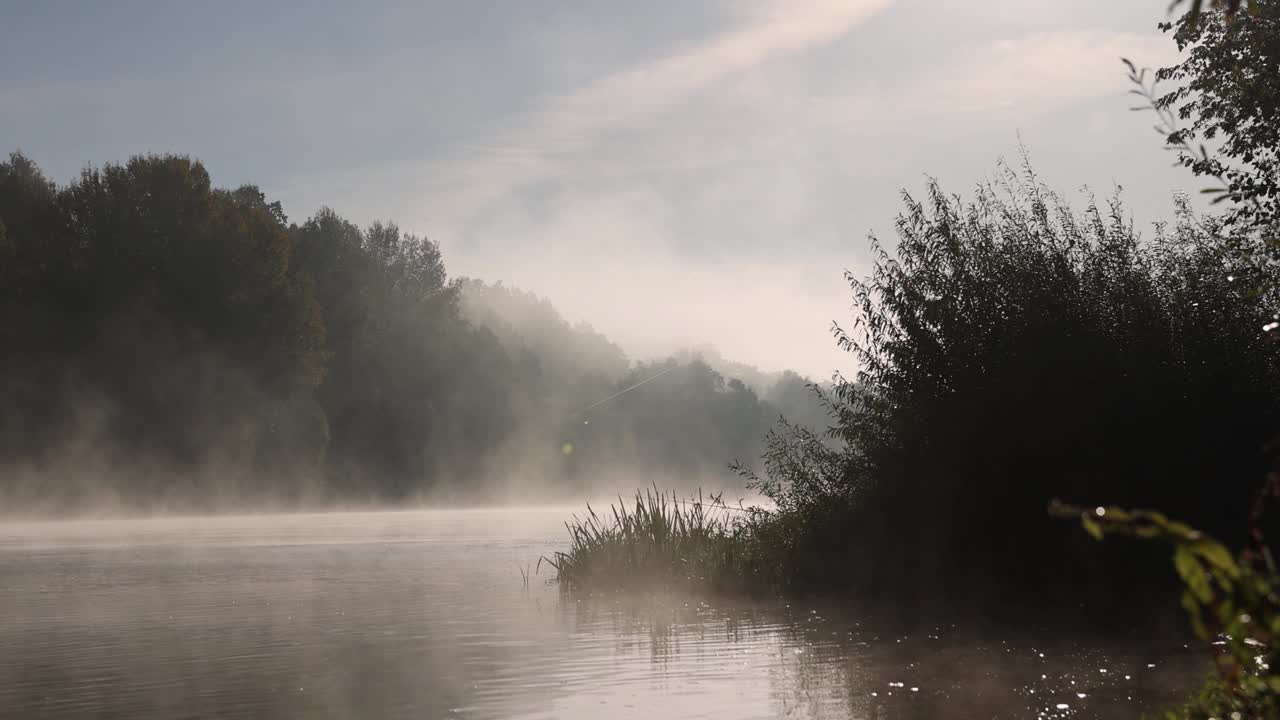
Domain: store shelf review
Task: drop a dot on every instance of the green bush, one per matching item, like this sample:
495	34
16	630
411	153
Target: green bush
1011	350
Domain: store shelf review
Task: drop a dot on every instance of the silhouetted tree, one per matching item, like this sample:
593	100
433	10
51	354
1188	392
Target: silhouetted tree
166	307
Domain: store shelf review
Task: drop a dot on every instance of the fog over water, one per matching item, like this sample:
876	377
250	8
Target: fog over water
330	335
424	614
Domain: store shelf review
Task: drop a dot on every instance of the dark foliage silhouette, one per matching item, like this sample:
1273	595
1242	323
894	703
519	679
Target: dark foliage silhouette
1011	351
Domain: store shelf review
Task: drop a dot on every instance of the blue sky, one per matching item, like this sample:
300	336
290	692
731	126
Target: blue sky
671	172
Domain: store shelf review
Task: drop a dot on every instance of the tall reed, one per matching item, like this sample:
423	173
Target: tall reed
658	540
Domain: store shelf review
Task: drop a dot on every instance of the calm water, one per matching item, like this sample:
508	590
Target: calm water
424	615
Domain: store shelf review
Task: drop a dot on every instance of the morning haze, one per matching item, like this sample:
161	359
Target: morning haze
595	359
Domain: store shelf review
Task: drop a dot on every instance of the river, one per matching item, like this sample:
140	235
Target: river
425	614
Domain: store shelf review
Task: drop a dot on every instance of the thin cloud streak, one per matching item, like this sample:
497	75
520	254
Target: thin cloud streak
544	142
1014	80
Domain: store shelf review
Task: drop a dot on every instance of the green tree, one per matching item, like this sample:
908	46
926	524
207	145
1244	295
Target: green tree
1222	118
1228	88
415	394
167	305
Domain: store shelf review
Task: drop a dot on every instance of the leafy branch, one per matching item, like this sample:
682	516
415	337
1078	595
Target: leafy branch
1175	137
1232	603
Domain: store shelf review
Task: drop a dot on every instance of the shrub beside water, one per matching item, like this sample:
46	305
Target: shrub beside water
1011	349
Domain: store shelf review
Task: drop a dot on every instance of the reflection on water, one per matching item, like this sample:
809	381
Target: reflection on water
423	614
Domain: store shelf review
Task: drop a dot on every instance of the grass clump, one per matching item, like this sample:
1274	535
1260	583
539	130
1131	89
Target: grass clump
659	540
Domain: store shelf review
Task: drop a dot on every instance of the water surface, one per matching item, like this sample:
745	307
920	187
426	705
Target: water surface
425	615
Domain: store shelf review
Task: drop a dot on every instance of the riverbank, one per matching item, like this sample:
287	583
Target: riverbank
659	540
662	543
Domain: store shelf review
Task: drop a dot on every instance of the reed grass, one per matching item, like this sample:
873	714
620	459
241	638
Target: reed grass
658	540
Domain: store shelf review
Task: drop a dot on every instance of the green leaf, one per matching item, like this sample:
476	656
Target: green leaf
1115	514
1218	557
1092	527
1193	609
1193	575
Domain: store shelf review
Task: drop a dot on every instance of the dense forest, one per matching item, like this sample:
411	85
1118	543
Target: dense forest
171	341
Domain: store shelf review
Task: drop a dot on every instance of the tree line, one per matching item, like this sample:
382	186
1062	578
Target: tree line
170	339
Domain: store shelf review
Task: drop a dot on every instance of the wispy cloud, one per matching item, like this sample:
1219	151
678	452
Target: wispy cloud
1015	79
545	141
